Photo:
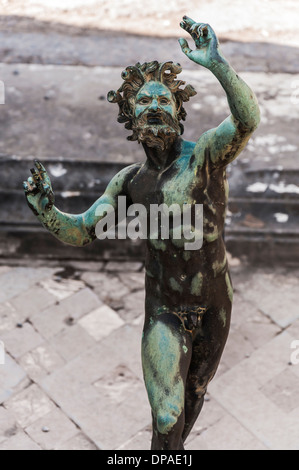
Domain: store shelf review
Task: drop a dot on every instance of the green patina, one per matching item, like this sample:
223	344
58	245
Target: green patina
175	285
159	244
186	255
196	284
222	315
161	353
230	291
218	266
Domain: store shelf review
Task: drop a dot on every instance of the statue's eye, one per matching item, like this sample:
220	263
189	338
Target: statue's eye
144	101
164	101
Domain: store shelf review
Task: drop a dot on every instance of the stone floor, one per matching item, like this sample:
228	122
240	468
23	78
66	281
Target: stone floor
72	375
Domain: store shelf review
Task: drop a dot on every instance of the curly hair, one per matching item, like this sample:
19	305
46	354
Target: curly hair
135	76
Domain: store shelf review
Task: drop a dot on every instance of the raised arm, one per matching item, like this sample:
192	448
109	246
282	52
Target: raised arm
76	230
227	140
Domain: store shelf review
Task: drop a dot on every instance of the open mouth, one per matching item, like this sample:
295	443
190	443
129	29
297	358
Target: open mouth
154	120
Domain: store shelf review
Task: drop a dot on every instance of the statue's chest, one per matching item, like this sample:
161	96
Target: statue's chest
177	185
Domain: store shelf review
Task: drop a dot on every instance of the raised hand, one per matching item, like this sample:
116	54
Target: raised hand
38	190
206	42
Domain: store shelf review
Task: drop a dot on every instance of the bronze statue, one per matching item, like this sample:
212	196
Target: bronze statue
188	292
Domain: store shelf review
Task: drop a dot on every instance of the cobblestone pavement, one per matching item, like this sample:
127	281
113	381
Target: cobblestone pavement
72	377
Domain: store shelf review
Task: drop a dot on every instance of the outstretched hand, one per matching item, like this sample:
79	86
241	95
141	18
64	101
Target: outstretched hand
206	42
38	190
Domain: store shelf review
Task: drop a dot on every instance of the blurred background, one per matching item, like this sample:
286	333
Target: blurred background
71	318
59	60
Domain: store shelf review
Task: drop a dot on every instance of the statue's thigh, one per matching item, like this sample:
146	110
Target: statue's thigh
166	355
208	346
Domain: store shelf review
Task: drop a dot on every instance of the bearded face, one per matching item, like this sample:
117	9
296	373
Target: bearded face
155	116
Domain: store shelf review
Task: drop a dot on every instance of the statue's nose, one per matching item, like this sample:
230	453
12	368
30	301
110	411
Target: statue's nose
154	106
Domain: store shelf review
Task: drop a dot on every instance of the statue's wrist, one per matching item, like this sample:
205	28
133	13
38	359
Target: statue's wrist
46	213
218	63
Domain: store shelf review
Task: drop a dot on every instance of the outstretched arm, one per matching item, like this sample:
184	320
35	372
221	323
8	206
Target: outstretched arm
227	140
76	230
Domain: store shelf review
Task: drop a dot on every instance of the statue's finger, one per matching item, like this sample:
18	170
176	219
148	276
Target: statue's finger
204	30
185	26
36	176
42	172
47	188
25	186
40	166
188	20
29	185
185	47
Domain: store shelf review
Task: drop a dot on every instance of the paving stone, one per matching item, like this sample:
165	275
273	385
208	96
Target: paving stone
71	342
283	390
70	387
118	384
78	442
225	434
8	424
212	412
239	392
134	281
249	330
21	340
123	345
61	288
32	301
125	266
18	280
9	317
101	322
293	329
244	311
281	307
52	430
133	306
108	287
20	441
12	376
141	441
237	348
29	405
116	431
56	318
41	361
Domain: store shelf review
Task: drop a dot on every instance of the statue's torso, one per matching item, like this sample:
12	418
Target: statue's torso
174	274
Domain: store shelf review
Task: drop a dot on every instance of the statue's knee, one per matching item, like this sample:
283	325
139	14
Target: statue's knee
166	422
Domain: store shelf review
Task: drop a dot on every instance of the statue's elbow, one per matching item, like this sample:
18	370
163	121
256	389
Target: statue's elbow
89	237
257	119
254	120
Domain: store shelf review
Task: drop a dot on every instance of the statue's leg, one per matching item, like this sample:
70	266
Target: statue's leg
208	346
166	355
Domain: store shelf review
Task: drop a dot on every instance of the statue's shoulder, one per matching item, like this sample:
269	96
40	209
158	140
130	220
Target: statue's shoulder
128	172
201	147
119	183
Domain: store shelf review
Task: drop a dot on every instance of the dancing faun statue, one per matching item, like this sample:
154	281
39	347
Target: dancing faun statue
188	291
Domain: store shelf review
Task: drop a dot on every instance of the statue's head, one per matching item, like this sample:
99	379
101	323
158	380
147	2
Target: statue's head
151	102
